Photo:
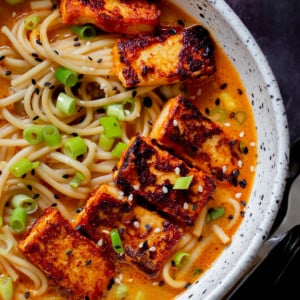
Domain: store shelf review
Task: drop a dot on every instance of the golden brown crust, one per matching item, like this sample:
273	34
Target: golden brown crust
173	55
146	170
147	237
196	139
71	261
130	17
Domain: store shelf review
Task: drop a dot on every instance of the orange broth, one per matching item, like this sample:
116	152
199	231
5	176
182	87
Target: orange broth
224	91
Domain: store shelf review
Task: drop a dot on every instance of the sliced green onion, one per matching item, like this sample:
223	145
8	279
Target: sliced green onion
13	2
66	104
76	180
111	126
118	149
180	259
121	292
105	142
116	110
215	213
85	32
33	134
6	287
22	200
75	146
183	183
51	135
32	22
240	117
18	219
65	76
22	166
218	114
116	241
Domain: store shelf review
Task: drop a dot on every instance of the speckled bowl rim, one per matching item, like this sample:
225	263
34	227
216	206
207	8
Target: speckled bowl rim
238	270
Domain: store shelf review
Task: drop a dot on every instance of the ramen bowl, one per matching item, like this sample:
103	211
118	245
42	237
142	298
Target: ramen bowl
272	147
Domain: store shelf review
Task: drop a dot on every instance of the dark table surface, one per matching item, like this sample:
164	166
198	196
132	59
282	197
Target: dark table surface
275	24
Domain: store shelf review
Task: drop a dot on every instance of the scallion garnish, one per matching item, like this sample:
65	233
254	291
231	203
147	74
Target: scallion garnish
65	104
51	135
65	76
75	146
32	22
116	110
180	259
22	166
116	241
118	149
33	134
85	32
183	183
18	219
111	126
6	287
24	201
215	213
76	180
105	142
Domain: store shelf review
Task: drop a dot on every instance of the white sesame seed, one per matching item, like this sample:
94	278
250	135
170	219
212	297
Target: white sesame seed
240	163
155	283
200	188
141	245
175	123
252	169
177	170
52	70
136	224
127	112
130	197
130	279
88	43
165	189
157	230
121	195
224	169
152	249
252	144
242	133
185	205
227	124
136	187
121	276
238	195
100	242
105	231
118	281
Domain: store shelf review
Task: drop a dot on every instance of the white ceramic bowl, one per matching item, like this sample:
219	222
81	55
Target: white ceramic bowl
273	146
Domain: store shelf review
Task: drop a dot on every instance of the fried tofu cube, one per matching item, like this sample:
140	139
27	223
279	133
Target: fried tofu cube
72	262
196	139
147	238
172	56
147	171
130	17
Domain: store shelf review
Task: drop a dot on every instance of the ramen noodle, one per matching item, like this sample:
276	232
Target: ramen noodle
29	89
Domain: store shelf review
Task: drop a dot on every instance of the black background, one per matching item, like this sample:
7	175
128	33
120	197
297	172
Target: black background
275	24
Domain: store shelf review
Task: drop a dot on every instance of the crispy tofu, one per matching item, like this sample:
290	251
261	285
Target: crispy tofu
71	261
173	55
130	17
147	238
149	172
196	139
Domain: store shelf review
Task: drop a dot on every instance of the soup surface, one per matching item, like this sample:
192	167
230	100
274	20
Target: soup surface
28	92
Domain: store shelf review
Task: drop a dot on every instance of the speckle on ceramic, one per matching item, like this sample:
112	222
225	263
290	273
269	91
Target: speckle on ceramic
273	147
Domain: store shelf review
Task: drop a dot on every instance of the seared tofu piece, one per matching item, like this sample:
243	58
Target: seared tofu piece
71	261
147	238
147	171
174	55
130	17
196	139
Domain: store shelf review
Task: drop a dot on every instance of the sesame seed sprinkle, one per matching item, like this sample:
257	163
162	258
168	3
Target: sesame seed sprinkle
157	230
242	133
165	189
100	242
240	163
177	170
252	144
200	188
238	195
136	224
227	124
185	205
136	187
175	123
130	197
224	169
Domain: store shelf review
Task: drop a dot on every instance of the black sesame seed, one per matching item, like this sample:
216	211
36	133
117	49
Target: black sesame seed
56	196
134	93
33	81
217	101
148	226
244	203
53	204
35	196
66	176
161	283
39	42
246	150
188	284
69	252
77	44
78	210
180	22
88	262
38	59
230	217
7	73
223	86
2	57
78	227
34	54
86	297
74	134
29	187
90	58
35	118
111	283
47	83
99	60
242	213
33	172
240	92
27	295
56	52
80	76
172	31
207	111
37	90
243	183
76	39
